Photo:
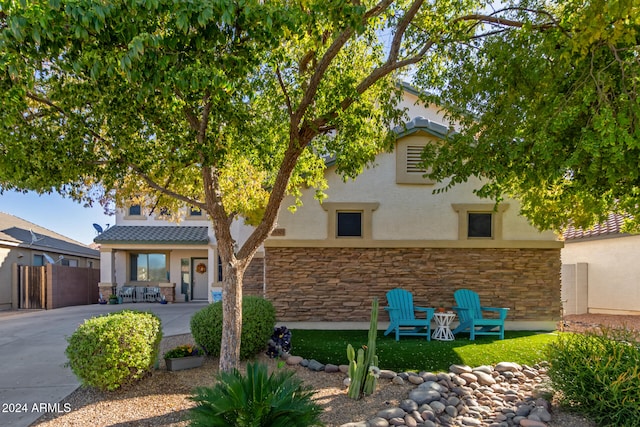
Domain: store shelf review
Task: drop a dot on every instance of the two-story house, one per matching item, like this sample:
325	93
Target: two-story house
385	229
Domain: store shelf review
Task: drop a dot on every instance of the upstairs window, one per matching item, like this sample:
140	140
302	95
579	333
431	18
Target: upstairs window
479	220
134	212
480	224
349	224
165	212
350	220
194	213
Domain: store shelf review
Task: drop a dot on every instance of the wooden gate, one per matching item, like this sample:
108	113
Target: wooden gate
32	287
55	286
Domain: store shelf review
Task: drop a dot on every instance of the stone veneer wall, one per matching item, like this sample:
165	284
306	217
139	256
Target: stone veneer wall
338	284
254	278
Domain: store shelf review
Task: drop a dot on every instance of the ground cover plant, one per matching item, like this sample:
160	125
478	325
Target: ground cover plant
598	374
418	354
256	399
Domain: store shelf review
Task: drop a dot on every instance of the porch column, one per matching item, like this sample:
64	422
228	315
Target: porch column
107	272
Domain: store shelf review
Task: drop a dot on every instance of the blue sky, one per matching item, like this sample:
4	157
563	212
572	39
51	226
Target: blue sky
56	213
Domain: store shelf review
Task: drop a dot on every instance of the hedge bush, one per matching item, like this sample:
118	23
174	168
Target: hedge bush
110	351
599	375
258	321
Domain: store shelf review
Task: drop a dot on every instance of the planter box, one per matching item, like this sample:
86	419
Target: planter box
181	363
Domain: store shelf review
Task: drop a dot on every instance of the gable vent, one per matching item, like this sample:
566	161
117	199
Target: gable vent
414	159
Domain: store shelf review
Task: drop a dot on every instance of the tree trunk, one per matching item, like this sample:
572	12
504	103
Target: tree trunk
233	273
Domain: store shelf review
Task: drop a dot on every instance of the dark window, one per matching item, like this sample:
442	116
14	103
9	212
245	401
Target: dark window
195	211
148	267
135	210
480	225
349	224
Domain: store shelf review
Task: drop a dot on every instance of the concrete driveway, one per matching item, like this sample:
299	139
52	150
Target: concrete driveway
33	378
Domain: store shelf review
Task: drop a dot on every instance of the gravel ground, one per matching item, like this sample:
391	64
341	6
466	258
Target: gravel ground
162	399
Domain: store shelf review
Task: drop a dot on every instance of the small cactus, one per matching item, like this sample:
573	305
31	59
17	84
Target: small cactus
363	366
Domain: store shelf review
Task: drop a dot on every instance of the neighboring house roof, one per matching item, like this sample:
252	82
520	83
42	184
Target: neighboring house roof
609	228
156	234
18	232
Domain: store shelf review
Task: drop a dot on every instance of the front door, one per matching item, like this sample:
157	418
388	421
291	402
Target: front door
200	284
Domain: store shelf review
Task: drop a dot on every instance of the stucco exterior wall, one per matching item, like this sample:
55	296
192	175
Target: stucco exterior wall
411	238
405	212
613	273
338	284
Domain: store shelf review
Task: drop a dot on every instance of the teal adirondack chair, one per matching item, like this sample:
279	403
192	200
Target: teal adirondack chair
470	311
402	315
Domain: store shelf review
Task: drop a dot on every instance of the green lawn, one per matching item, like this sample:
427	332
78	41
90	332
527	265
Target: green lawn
418	354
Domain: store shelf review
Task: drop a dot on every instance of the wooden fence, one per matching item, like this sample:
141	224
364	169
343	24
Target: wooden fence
55	286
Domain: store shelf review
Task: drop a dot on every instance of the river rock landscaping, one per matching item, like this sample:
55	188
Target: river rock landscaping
501	396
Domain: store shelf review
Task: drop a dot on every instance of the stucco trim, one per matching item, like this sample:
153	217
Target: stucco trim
367	221
463	209
352	243
403	176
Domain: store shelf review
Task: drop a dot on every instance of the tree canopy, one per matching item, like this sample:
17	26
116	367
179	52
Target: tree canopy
230	105
224	105
549	114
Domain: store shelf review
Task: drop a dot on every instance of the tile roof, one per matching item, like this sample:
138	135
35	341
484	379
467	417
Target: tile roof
18	232
611	227
160	234
420	123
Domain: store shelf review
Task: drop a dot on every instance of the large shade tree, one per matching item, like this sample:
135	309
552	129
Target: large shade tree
550	114
223	105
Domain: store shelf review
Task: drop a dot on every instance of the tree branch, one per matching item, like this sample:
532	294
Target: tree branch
192	119
45	101
215	207
284	91
204	123
478	18
164	190
322	67
401	29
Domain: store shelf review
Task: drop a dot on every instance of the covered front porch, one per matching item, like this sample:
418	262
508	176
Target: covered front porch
171	263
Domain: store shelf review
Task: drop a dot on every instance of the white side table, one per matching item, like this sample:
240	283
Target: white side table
443	322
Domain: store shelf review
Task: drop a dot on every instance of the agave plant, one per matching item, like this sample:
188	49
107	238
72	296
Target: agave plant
255	400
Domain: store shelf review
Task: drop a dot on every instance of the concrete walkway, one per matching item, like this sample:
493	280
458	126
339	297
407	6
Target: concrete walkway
32	343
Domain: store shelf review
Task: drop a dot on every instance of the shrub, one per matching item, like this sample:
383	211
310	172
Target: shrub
599	375
255	400
258	321
110	351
